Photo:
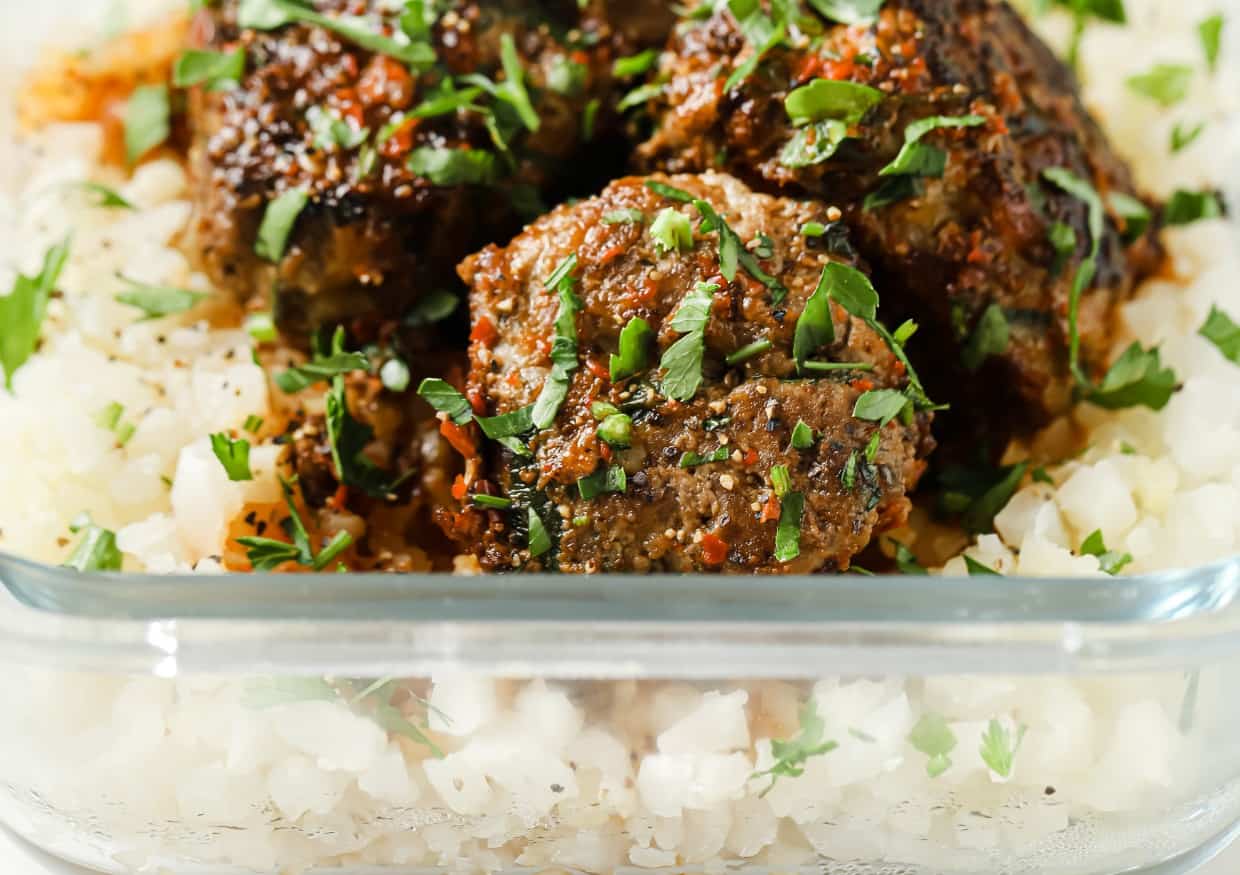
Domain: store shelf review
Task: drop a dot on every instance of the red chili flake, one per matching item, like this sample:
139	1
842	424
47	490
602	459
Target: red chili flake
599	369
649	289
863	384
604	450
477	400
809	68
714	549
459	438
770	510
338	501
401	141
459	489
484	332
611	254
751	457
840	70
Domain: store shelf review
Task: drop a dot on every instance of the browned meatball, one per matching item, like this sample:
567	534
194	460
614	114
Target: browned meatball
697	445
949	244
413	151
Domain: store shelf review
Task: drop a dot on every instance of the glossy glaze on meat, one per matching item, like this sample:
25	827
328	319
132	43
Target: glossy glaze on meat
979	235
718	516
376	235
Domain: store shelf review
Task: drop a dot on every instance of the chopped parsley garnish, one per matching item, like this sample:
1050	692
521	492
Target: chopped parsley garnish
253	423
890	191
1182	137
906	561
566	76
732	252
1186	207
158	301
97	551
639	95
919	159
445	398
814	328
1069	182
978	493
349	438
999	748
682	361
759	49
693	460
271	14
218	71
1109	561
830	99
434	306
791	509
634	65
847	11
563	346
1166	84
933	737
492	502
814	143
539	540
848	476
803	436
261	326
234	456
331	132
610	479
108	198
748	351
507	425
1135	214
512	90
881	405
791	756
1223	332
442	101
1210	33
990	337
1136	379
624	217
635	340
453	166
978	569
267	554
277	225
1063	240
671	231
23	309
146	121
589	116
321	368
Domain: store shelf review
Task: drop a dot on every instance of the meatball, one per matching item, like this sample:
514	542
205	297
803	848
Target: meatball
363	154
938	130
667	397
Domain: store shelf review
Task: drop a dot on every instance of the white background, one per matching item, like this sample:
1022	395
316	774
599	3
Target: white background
20	23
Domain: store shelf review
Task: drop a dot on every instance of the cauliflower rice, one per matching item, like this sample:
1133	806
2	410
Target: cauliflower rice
124	773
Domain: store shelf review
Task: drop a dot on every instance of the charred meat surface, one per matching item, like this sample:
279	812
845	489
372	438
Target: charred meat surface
652	413
938	129
365	150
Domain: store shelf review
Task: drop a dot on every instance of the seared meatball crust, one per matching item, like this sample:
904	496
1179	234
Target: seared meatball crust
379	232
978	236
721	515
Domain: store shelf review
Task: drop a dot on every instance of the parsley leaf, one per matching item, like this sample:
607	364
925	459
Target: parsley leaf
791	755
669	191
271	14
814	143
1136	379
539	540
933	737
1109	561
892	190
634	65
97	551
979	517
671	232
847	11
267	554
1186	207
693	460
999	749
733	252
320	369
1182	137
507	425
1223	332
158	301
624	217
1135	214
611	479
331	132
277	225
1166	84
682	361
978	569
563	347
830	99
745	69
109	198
803	436
218	71
990	337
234	456
635	340
917	158
1210	33
1069	182
788	531
23	309
453	166
815	327
881	405
444	397
432	307
146	121
906	560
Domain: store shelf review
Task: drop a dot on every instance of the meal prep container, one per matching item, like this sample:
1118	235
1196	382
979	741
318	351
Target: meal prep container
380	724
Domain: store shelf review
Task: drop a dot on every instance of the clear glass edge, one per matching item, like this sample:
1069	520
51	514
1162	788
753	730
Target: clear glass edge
616	626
